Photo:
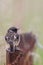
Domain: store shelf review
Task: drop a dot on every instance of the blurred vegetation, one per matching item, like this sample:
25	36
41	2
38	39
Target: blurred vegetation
26	15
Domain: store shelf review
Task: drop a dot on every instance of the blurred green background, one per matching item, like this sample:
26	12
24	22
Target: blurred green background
24	14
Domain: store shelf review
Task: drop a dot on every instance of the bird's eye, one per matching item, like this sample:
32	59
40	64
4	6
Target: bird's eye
17	37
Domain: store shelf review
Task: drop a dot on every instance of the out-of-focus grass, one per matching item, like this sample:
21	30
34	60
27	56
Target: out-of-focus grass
28	24
35	24
32	21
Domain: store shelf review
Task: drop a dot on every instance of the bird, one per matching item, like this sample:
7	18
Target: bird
12	37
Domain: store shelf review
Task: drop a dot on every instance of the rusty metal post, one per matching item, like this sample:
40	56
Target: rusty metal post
17	57
13	57
9	57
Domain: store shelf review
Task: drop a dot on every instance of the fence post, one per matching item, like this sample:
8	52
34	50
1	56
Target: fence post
13	57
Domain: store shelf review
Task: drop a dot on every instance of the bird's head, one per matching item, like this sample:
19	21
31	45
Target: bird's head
12	36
